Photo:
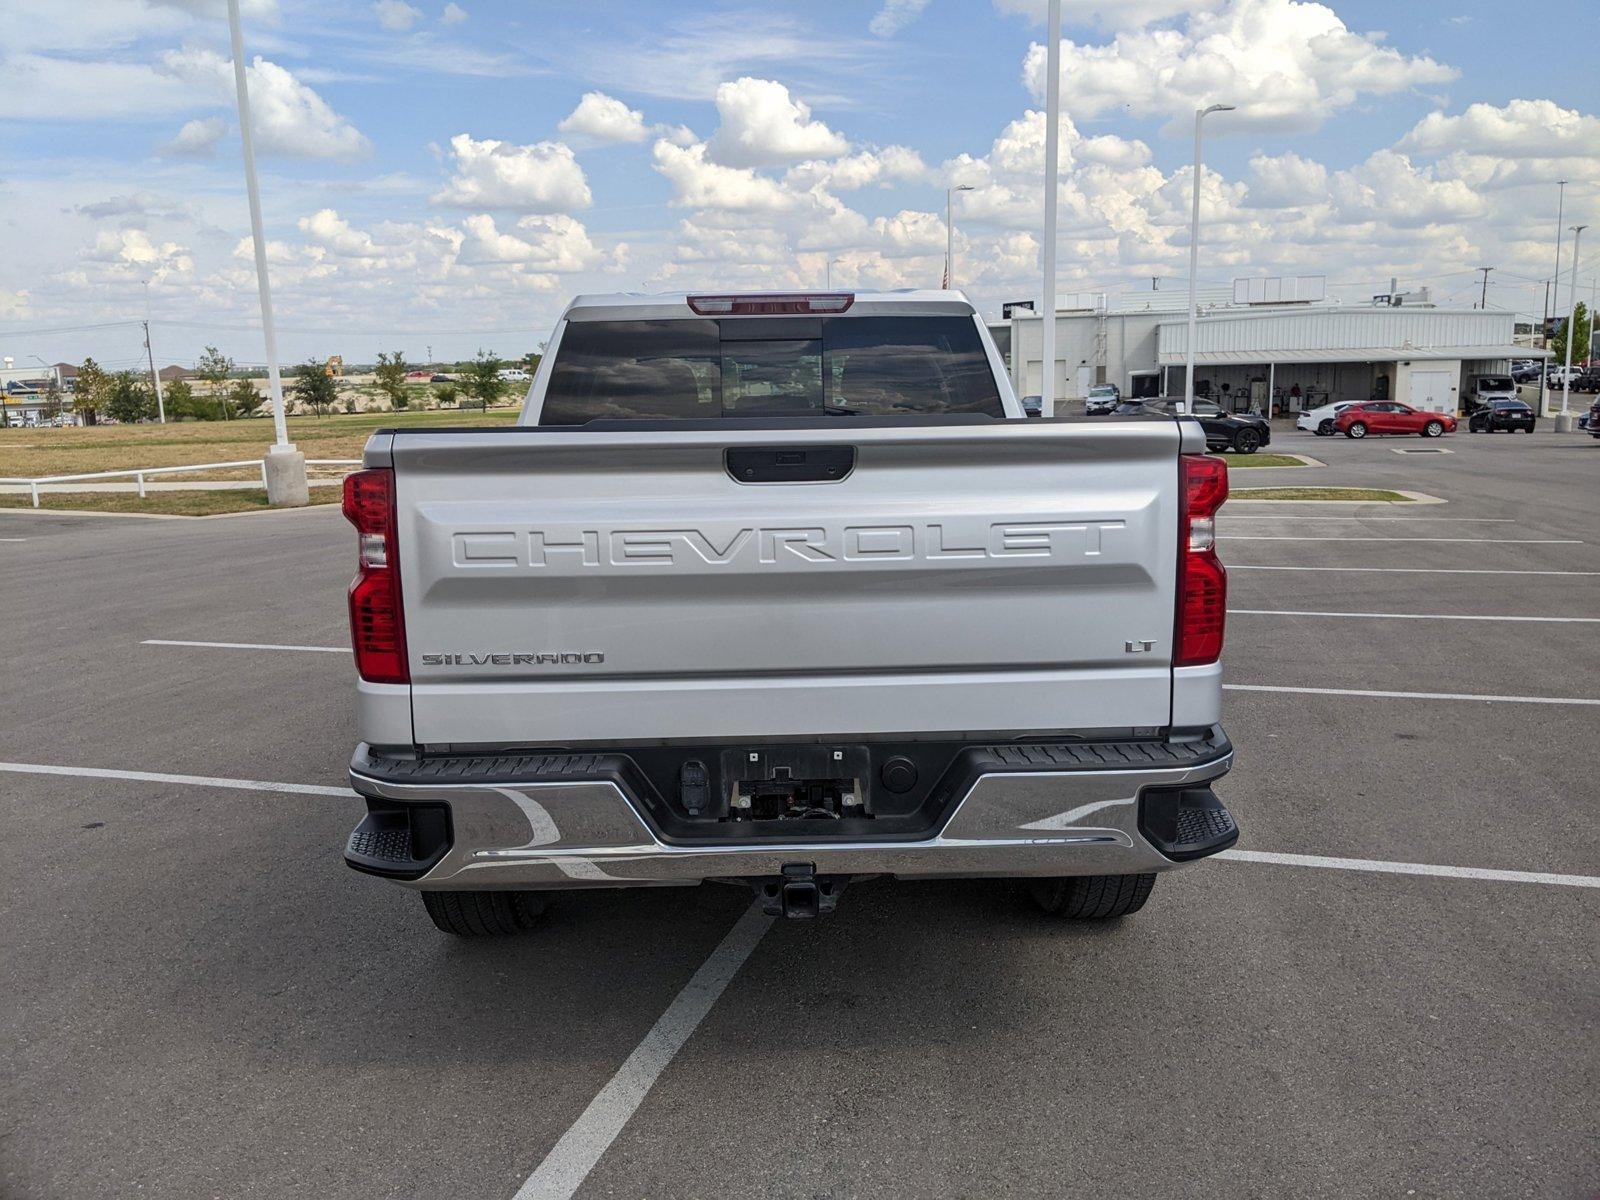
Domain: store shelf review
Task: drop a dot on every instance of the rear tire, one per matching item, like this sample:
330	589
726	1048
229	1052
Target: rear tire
1326	428
1246	441
1093	897
1356	430
1433	429
483	914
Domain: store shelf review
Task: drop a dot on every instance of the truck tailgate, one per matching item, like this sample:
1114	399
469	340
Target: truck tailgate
572	585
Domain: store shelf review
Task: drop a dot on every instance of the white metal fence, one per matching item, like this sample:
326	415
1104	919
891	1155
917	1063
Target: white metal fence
140	473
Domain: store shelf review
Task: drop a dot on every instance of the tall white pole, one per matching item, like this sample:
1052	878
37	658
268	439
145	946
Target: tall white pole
1187	404
1052	142
1572	320
1544	366
269	331
949	238
155	376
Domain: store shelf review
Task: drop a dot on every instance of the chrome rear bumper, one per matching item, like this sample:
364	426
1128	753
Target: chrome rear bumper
551	834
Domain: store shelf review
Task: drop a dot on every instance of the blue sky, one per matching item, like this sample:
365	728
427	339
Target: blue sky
449	175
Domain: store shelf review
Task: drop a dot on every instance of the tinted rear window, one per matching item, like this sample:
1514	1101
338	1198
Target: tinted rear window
761	367
1497	383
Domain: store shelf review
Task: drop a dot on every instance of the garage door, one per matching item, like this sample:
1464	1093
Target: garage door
1430	391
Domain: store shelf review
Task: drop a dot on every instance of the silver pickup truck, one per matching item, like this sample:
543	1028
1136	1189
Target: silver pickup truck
784	590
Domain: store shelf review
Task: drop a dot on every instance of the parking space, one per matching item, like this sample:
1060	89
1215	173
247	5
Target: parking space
206	1001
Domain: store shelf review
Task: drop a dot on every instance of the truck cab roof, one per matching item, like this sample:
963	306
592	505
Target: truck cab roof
641	306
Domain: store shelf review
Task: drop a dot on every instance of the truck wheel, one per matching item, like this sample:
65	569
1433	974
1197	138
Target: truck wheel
1356	430
1093	897
483	914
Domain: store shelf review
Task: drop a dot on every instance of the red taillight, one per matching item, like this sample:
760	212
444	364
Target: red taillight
769	306
1202	581
377	629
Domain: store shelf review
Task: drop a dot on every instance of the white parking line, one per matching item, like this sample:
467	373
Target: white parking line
240	785
1278	537
1283	612
1414	570
572	1158
1378	695
1404	868
247	646
25	539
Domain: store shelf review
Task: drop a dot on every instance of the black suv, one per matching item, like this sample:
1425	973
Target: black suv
1243	432
1510	415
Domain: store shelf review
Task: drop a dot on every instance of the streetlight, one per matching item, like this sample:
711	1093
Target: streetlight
950	233
1564	421
1052	145
1194	260
1544	367
284	466
829	271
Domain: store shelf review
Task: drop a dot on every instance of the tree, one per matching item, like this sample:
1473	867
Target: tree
1580	339
315	388
51	408
391	373
88	391
214	367
179	398
242	398
128	400
482	379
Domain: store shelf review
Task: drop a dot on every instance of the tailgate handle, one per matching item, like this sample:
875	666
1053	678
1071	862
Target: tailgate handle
789	464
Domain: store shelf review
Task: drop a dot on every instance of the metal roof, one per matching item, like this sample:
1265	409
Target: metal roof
1349	354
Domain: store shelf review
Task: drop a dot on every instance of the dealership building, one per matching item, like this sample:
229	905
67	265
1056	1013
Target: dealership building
1277	340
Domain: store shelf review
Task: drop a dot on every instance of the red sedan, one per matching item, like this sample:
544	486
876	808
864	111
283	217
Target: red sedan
1380	417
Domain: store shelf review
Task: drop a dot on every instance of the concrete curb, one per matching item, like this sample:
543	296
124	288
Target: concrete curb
1411	499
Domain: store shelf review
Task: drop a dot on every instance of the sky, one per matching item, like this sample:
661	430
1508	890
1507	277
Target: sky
440	176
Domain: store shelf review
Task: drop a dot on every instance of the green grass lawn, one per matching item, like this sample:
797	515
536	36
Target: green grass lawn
1352	494
29	453
164	504
1262	460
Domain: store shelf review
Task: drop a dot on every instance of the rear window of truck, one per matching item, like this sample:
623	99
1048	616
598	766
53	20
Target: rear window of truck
769	367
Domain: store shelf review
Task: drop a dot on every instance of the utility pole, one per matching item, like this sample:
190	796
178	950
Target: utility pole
1186	405
1544	367
1484	301
155	377
1564	421
284	467
1052	176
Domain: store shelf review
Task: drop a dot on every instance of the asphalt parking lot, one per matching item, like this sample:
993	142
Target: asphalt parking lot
203	1000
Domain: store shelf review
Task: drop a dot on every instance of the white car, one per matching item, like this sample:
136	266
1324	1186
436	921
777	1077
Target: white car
513	375
1320	420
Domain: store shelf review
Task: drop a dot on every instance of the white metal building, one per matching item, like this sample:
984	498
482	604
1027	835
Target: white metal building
1297	354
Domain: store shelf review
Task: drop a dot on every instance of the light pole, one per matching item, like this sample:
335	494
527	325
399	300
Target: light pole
950	233
1544	367
828	271
1187	404
1564	421
284	466
1052	146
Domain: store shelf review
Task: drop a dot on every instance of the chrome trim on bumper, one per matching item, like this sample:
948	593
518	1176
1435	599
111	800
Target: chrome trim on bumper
576	835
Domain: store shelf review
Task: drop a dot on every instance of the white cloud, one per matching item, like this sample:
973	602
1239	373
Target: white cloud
1518	129
1284	63
396	15
453	14
699	183
1286	181
762	126
130	252
332	232
287	116
605	119
1387	188
40	87
894	16
197	139
859	170
557	243
544	177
